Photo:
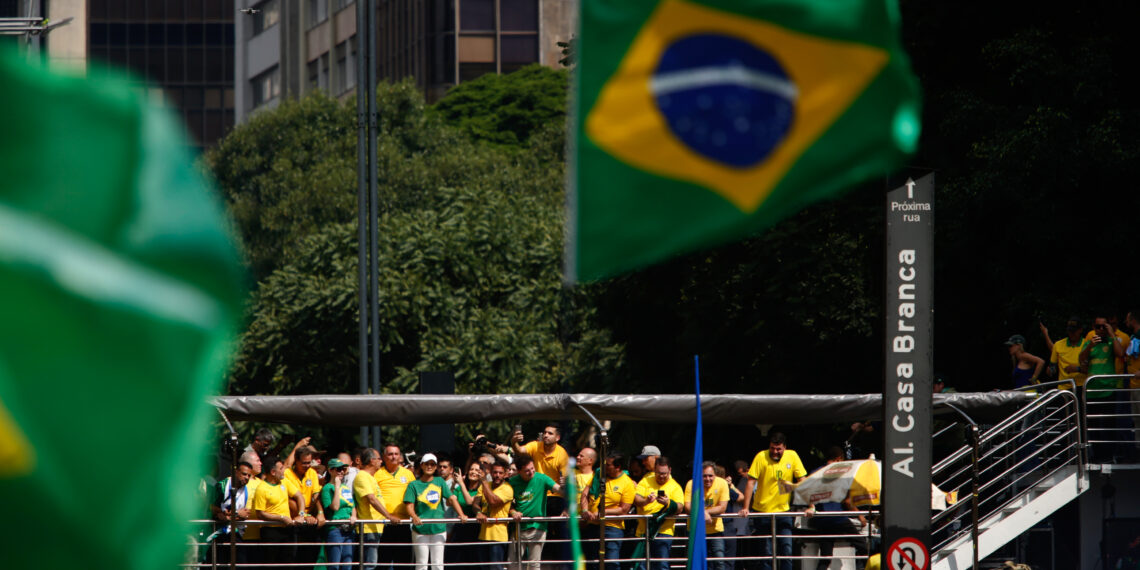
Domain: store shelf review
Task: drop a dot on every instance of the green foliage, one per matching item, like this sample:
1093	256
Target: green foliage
470	258
507	109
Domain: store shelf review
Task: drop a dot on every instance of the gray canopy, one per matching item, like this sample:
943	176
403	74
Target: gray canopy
356	410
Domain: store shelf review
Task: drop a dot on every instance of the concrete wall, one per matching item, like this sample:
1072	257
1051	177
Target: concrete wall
67	45
557	22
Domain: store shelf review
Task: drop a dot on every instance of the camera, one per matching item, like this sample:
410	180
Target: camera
482	445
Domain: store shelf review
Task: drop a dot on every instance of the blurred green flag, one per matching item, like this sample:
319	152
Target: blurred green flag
120	290
703	122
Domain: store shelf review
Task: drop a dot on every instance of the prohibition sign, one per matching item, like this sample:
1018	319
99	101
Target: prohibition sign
907	554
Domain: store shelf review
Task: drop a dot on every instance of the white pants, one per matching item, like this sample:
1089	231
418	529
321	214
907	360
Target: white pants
428	545
530	543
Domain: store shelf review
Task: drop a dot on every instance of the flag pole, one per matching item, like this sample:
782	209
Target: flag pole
698	550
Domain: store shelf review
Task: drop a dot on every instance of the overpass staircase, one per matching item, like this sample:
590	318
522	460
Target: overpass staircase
1009	478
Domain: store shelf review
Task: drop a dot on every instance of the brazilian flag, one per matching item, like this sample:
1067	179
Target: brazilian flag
120	288
700	122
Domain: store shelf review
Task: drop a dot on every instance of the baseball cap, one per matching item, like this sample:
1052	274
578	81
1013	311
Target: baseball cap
648	450
335	463
1015	339
428	457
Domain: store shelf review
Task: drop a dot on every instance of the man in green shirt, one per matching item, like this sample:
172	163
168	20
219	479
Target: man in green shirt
530	489
1098	357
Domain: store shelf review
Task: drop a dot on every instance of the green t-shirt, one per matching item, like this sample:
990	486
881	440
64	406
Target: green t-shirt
430	501
1101	361
345	510
468	508
530	497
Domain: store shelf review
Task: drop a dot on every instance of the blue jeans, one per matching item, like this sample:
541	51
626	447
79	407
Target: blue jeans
715	545
493	554
658	552
783	543
339	548
613	547
371	549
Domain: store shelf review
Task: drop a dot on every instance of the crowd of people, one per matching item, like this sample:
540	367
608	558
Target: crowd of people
1107	353
311	498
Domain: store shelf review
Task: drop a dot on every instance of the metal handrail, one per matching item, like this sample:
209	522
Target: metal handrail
680	539
1020	452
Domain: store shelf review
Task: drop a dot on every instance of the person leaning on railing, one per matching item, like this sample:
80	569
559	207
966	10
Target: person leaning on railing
494	501
716	496
425	499
271	503
340	512
618	491
1098	357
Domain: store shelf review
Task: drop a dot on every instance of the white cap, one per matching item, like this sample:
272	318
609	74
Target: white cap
428	457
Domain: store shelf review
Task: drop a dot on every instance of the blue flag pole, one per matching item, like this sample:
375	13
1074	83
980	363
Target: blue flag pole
698	551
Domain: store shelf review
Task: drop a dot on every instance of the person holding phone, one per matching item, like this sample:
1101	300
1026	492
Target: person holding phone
1098	355
551	460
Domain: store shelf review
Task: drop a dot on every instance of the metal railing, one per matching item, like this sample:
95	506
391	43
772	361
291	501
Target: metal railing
807	541
1112	418
1017	454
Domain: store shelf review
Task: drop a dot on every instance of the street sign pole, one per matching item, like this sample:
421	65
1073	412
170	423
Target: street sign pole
909	372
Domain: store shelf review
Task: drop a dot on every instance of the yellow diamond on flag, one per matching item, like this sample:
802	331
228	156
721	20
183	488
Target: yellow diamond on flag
16	455
724	101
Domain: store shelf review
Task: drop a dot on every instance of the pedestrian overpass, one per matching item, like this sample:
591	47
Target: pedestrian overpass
1010	475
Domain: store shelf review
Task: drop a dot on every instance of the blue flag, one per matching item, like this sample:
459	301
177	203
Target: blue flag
698	551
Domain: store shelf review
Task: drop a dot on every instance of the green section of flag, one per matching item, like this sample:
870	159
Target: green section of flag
120	290
579	560
642	191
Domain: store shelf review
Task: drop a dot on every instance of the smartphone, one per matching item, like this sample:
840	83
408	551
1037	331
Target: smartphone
518	428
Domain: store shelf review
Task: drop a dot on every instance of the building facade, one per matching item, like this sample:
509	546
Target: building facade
184	49
290	48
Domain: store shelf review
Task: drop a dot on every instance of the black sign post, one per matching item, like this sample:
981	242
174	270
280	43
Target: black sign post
909	372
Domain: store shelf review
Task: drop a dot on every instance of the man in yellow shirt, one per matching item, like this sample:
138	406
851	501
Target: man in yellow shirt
271	503
1066	354
494	501
618	492
366	494
393	481
716	502
655	493
302	484
769	467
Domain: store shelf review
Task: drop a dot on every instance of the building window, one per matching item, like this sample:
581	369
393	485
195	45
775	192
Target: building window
345	66
266	16
319	73
318	11
341	4
266	87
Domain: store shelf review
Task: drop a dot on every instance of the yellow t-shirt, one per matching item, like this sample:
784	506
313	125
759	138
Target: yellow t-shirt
269	498
554	465
1064	355
496	532
617	491
766	496
251	490
671	489
363	485
583	481
392	488
309	486
716	495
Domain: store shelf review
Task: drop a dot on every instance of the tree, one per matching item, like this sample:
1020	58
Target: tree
507	109
470	263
